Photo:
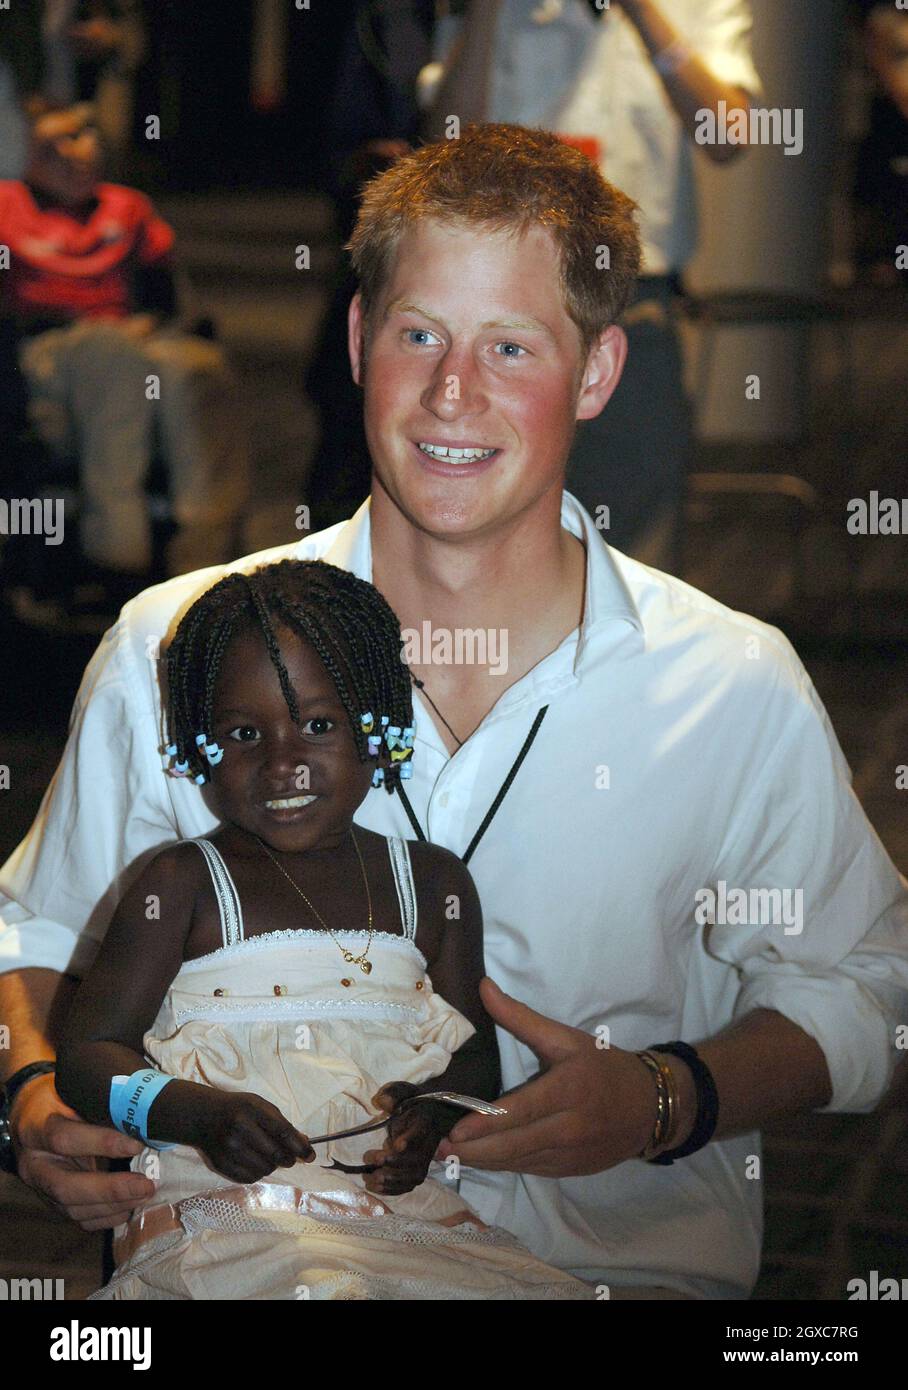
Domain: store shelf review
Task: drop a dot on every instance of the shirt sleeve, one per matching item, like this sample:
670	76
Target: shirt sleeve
839	969
156	239
103	814
721	37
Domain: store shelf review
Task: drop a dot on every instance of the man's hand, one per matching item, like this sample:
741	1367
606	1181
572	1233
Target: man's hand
59	1155
589	1110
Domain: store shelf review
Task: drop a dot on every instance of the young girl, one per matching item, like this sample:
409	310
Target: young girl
293	975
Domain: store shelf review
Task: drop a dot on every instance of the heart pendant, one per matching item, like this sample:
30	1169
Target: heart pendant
366	967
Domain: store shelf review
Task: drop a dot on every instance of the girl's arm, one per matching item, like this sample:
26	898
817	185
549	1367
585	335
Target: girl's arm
119	998
449	934
244	1136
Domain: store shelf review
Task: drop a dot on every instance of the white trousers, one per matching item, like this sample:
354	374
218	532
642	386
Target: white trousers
101	395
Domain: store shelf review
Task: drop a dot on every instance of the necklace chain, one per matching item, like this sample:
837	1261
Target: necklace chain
360	960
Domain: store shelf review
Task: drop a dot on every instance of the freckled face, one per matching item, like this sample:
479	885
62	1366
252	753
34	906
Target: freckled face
471	347
265	755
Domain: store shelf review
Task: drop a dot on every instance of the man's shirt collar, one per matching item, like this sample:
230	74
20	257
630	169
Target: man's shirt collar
608	599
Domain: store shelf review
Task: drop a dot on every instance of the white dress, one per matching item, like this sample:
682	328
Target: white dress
285	1016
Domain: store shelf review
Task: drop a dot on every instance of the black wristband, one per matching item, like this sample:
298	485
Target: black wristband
8	1093
20	1077
707	1102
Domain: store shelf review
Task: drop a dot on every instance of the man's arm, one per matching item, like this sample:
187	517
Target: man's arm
57	1153
819	999
765	1067
105	811
32	1003
593	1108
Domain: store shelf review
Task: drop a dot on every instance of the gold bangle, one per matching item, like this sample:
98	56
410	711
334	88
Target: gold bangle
664	1136
662	1124
674	1110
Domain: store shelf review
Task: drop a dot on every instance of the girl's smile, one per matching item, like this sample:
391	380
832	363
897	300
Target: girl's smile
297	788
288	810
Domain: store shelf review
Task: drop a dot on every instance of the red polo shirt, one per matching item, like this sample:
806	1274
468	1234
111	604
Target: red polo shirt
67	267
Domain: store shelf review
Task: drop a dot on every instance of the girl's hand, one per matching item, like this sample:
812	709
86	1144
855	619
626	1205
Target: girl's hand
404	1158
245	1137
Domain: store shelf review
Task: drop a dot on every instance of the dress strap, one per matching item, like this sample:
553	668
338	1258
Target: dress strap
402	869
225	892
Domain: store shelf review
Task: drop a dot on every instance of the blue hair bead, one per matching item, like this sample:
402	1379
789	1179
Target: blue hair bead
181	767
406	771
366	722
378	776
215	757
385	721
199	778
171	750
374	743
200	739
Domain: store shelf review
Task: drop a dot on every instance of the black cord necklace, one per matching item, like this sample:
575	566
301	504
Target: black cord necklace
502	790
420	686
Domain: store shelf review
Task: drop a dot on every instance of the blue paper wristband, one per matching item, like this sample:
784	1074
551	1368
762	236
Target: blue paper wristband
130	1101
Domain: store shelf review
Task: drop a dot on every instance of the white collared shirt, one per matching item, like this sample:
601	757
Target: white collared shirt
684	745
556	66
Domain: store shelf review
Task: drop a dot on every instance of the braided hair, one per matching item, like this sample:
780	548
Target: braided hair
348	623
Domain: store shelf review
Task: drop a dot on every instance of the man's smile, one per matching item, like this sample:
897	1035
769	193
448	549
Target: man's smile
449	460
467	452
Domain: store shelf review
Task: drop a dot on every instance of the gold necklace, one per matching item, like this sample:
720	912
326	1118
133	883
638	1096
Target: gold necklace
360	960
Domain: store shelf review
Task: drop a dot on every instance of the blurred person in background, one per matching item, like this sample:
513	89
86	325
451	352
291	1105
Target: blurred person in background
625	83
881	182
91	300
374	118
69	51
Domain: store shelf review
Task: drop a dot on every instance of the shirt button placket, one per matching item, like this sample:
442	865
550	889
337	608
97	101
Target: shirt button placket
453	799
